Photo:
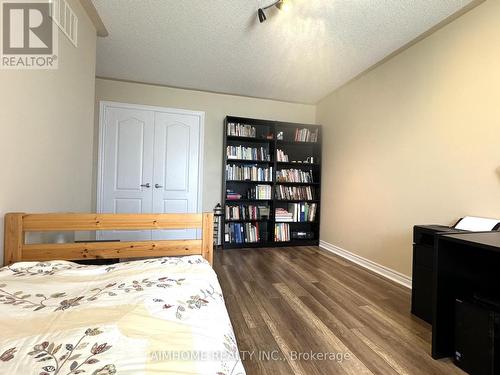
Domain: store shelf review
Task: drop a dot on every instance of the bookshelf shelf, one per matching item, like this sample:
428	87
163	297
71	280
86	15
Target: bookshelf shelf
249	139
304	242
298	183
271	231
294	143
250	182
244	161
293	164
296	222
248	221
228	245
297	200
229	201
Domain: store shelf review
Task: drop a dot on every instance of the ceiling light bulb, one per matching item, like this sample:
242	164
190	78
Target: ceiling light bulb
281	5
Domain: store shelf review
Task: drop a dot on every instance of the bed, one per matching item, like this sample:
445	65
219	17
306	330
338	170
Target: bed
160	315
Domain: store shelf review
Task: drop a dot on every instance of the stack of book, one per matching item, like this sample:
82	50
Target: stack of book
247	212
232	195
282	232
283	216
248	173
294	192
305	135
240	130
239	233
301	212
294	175
259	192
247	153
281	156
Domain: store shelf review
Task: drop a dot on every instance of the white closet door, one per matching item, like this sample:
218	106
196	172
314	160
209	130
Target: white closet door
127	178
176	167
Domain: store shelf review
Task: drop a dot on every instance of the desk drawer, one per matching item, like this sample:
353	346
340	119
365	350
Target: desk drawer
421	237
424	255
422	293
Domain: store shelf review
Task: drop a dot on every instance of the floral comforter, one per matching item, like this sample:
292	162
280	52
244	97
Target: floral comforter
157	316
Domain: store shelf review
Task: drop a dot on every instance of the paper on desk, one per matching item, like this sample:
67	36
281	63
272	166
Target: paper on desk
476	224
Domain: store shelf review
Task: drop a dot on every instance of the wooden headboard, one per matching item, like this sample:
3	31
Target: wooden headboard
18	224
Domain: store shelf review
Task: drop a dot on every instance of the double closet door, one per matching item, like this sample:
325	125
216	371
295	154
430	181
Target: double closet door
149	163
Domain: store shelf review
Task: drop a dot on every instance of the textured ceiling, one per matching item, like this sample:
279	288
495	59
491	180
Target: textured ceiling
298	55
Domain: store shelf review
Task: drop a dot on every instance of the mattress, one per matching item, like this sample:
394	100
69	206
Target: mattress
155	316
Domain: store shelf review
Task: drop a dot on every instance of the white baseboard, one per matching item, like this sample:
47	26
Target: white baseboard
368	264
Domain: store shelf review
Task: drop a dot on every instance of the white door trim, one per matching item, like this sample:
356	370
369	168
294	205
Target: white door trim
103	104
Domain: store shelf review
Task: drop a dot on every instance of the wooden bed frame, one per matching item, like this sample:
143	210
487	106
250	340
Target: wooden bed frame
18	224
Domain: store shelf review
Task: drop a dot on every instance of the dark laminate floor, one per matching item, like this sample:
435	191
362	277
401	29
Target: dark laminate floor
286	301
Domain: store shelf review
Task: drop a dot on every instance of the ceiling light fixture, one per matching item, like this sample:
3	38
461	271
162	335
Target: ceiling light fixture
262	15
280	4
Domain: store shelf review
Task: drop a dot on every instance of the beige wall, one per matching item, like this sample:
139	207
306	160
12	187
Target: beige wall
215	106
46	120
417	140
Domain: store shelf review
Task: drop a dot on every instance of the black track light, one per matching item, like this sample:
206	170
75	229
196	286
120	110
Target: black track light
262	15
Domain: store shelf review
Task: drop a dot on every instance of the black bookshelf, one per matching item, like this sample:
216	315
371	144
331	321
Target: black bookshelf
272	136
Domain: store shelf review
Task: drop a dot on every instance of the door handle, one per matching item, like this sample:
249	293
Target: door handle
158	186
148	185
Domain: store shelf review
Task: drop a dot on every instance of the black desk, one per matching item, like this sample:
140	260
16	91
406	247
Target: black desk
464	263
424	245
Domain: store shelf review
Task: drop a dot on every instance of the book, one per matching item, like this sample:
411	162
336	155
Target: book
246	212
259	192
248	153
294	175
232	195
296	213
281	232
281	156
240	233
305	135
294	192
282	215
248	173
241	130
